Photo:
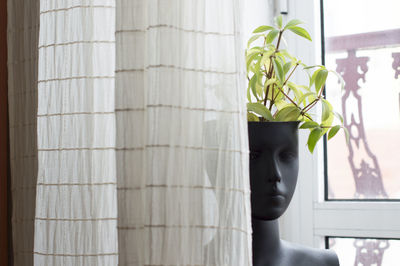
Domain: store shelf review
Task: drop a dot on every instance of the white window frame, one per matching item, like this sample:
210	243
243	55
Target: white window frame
310	218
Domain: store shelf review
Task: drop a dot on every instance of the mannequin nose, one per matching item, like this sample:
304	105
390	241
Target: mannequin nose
275	174
274	179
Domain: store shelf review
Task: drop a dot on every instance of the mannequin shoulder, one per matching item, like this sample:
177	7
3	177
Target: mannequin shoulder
311	256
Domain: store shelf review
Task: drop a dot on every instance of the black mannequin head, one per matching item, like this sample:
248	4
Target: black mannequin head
274	166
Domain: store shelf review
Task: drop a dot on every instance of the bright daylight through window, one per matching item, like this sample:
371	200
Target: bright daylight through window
362	43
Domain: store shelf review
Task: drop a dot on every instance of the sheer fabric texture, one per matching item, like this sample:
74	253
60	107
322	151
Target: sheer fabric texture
76	209
138	131
183	192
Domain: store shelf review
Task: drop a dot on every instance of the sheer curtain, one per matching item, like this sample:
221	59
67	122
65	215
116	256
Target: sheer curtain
141	133
76	208
183	191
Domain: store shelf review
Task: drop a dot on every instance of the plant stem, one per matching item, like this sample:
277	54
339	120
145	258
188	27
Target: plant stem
266	96
309	106
270	70
291	73
271	103
287	97
287	79
320	92
279	39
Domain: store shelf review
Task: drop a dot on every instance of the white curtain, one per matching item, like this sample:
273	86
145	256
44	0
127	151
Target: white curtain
76	207
141	133
183	191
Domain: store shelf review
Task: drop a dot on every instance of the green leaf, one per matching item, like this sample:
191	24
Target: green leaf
260	109
253	38
328	122
333	131
270	81
278	21
320	79
293	22
326	109
259	85
280	104
313	138
314	75
266	57
250	60
257	66
301	32
339	116
251	55
263	28
346	133
248	94
307	95
287	67
278	70
252	51
298	94
278	96
309	67
340	79
271	36
289	113
252	84
252	117
286	54
309	124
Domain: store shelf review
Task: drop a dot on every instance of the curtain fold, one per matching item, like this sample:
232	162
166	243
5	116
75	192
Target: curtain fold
22	39
139	133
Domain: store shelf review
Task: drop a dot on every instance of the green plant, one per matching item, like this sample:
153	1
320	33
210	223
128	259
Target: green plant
273	97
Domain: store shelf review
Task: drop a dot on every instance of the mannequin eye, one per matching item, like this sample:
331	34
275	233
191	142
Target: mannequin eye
254	155
287	156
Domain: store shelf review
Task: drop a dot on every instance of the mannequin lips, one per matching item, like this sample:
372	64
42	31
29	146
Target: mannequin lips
276	197
272	199
275	192
273	195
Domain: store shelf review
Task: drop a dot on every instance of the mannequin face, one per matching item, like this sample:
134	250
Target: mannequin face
274	167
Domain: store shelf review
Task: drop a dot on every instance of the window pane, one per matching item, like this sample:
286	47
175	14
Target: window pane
363	44
356	251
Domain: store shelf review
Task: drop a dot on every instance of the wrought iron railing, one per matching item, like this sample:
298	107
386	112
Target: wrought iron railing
366	171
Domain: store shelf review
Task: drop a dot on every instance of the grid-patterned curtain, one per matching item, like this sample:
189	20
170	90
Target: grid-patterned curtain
76	209
183	192
129	142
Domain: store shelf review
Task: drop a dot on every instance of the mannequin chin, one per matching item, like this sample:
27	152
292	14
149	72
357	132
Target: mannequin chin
274	166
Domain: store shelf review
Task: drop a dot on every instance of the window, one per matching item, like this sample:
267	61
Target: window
364	46
355	210
362	42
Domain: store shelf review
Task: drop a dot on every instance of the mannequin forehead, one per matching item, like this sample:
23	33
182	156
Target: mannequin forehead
273	136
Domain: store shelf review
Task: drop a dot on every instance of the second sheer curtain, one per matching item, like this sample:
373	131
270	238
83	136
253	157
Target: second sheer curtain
183	190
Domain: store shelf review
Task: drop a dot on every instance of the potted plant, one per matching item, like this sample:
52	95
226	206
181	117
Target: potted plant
273	97
277	107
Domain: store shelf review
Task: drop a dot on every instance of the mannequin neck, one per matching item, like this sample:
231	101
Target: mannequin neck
266	241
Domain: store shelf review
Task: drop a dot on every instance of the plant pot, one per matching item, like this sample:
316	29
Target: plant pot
274	167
